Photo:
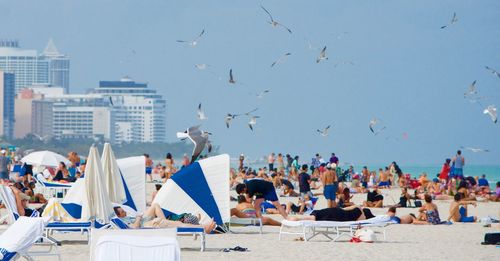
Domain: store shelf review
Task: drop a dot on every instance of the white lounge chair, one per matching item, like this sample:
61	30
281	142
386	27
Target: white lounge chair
246	222
21	236
51	189
10	204
308	229
134	244
195	231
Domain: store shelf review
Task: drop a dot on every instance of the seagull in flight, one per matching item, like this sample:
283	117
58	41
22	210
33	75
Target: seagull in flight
281	59
492	111
475	150
229	118
453	21
231	78
199	139
201	113
194	42
372	124
201	66
324	132
261	94
253	121
471	90
273	22
322	55
493	71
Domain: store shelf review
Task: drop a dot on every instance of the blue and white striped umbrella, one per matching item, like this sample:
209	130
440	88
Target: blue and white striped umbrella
200	188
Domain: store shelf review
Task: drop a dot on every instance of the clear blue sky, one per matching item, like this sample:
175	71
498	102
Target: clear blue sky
407	71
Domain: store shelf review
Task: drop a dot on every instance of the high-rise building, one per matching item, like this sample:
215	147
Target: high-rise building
23	112
30	68
58	66
139	112
27	67
7	95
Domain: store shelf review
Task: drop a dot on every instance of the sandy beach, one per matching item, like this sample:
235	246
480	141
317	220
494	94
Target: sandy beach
404	242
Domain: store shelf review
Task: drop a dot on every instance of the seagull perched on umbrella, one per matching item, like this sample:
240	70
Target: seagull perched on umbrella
324	132
194	42
273	22
201	113
475	150
322	55
199	139
492	111
493	71
454	19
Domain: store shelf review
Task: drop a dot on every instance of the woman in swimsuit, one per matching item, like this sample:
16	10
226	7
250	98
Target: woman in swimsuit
428	212
169	164
245	209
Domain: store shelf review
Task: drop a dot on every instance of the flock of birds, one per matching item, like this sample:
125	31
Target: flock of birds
200	138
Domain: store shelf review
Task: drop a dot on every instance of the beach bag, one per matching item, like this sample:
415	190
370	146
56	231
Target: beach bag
491	239
365	235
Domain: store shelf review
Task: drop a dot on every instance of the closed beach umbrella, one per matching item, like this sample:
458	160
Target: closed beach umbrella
45	158
112	177
96	204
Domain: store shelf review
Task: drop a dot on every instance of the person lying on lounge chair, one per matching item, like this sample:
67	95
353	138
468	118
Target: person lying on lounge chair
22	201
353	213
245	209
154	218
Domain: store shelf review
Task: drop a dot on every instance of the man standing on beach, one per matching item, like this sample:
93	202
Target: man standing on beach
459	162
4	167
305	182
330	185
271	159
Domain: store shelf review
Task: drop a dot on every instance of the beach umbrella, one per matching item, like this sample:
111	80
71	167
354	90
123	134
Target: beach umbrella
95	204
133	171
200	188
112	178
45	158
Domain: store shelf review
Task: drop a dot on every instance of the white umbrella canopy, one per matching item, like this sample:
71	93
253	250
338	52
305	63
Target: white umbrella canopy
112	177
45	158
96	204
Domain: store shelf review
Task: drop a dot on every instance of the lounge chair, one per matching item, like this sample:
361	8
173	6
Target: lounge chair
134	244
238	222
308	229
195	231
21	236
10	204
51	189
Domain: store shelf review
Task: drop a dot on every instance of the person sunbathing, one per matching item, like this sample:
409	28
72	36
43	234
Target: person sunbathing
262	190
245	209
374	199
155	218
353	213
22	201
429	213
458	209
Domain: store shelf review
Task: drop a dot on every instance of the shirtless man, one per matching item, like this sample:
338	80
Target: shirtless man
458	209
330	185
383	180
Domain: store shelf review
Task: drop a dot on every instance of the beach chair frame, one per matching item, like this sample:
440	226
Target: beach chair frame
244	222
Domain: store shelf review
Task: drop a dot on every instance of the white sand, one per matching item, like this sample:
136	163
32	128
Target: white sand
404	242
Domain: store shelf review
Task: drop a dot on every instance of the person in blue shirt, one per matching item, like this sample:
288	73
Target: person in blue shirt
483	182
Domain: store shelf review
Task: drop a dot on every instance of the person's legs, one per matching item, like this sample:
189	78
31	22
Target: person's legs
288	207
256	204
155	211
378	204
280	208
270	222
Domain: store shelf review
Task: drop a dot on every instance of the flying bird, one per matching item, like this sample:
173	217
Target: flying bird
253	121
471	90
324	132
475	150
231	78
492	111
199	139
281	59
454	19
261	94
201	113
273	22
201	66
493	71
194	42
373	123
229	118
322	55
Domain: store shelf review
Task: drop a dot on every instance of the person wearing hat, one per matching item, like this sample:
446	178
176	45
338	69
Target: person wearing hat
4	166
330	185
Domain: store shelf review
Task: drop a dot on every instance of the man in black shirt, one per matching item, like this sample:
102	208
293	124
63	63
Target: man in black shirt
262	190
305	182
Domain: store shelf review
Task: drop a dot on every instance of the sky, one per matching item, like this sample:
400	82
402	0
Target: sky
407	71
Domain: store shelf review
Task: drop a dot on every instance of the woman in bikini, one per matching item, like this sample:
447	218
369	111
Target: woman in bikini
245	209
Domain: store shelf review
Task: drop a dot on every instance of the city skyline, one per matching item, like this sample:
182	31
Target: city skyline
407	71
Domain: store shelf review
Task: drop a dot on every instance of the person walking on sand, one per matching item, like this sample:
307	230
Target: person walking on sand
458	162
